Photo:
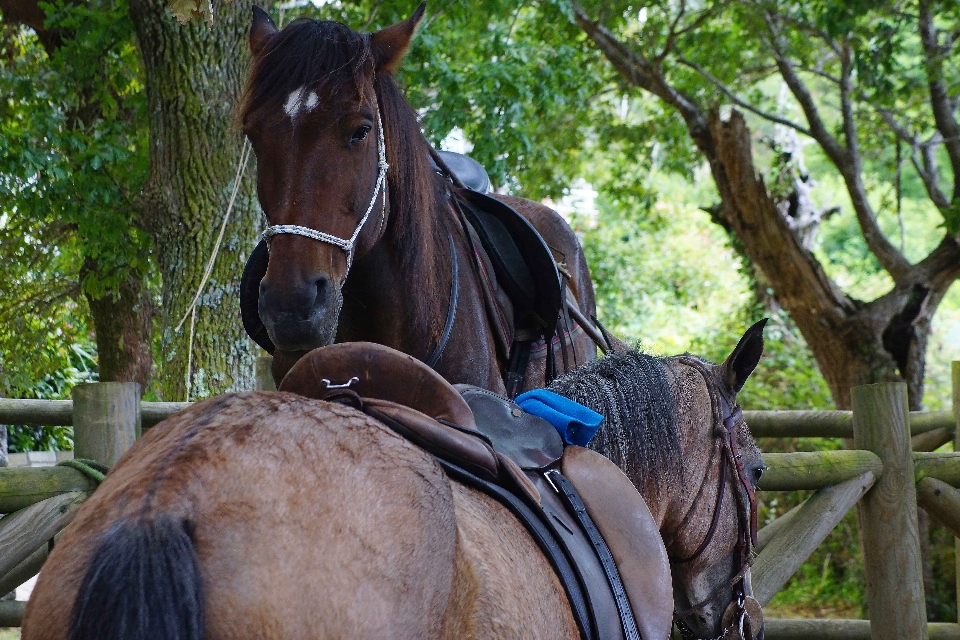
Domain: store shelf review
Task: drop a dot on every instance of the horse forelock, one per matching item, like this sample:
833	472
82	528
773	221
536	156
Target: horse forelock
640	433
323	56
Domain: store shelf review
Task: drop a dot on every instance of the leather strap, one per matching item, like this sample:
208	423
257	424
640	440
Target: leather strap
451	307
572	499
517	368
542	536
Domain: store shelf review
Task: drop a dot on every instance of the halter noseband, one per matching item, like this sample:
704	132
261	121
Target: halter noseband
731	458
346	245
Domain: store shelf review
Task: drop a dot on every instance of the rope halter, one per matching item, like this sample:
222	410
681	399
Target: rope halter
346	245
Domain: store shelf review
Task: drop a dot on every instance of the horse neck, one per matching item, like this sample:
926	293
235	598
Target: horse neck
402	286
696	492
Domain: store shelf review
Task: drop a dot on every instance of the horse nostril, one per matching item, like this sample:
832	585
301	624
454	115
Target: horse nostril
323	291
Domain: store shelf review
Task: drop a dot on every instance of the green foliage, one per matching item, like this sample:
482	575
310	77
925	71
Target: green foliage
72	160
80	367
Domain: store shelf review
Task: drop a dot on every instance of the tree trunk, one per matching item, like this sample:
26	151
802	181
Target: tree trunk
123	330
194	79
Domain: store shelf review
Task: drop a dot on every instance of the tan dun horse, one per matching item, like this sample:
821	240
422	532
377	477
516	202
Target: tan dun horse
274	516
326	118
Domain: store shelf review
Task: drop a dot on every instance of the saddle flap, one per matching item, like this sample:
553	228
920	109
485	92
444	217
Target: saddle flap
381	373
468	451
523	262
631	534
530	441
253	273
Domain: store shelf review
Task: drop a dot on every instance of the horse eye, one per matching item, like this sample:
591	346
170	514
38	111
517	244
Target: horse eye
360	133
757	473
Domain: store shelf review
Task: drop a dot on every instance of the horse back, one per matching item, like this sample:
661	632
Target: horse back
309	520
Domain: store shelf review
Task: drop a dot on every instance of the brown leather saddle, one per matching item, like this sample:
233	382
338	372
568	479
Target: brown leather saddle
585	515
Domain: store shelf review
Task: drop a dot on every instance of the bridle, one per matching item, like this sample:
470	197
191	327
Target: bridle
730	458
350	244
346	245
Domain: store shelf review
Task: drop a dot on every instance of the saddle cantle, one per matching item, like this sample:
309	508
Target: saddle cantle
470	172
490	444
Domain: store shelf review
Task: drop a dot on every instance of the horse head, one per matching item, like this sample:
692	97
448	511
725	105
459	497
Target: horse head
714	526
314	114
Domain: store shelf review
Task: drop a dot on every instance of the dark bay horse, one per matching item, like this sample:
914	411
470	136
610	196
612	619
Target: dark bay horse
345	179
274	516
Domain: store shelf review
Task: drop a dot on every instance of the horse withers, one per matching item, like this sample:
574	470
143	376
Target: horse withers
262	515
367	241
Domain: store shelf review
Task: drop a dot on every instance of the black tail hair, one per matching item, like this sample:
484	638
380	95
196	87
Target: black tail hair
143	583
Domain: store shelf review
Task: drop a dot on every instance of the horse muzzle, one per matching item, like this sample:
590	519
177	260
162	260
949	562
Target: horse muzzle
301	318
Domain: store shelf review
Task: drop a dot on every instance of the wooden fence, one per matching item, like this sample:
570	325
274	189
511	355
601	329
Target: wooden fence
888	473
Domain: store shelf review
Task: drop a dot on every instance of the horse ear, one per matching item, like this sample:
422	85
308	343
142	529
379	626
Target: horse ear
390	44
741	363
263	27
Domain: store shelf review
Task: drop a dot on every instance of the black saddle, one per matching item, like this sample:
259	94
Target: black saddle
470	172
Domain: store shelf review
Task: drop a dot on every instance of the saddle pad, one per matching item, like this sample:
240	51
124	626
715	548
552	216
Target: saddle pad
528	440
631	534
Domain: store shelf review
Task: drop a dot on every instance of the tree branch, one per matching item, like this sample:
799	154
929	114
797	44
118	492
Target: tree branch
639	72
671	35
928	169
943	106
737	101
845	158
818	130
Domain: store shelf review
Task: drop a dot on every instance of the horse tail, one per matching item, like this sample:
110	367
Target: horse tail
144	582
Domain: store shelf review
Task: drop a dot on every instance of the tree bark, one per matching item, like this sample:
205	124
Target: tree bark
194	78
123	325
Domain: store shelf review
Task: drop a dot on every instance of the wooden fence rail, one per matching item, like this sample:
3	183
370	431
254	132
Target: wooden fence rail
879	477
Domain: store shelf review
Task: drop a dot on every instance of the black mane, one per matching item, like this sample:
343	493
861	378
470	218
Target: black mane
640	430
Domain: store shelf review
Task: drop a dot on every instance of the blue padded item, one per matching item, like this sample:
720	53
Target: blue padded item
576	423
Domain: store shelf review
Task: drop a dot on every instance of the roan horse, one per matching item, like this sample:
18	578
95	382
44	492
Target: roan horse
326	118
270	515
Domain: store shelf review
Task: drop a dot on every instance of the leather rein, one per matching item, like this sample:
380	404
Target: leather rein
732	460
349	244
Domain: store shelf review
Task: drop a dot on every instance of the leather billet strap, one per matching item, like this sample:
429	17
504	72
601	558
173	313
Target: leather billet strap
544	538
573	501
349	244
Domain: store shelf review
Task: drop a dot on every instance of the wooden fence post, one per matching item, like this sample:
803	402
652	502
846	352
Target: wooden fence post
955	370
106	420
888	515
